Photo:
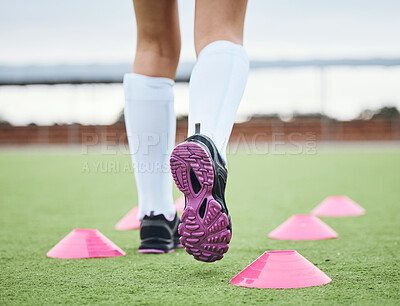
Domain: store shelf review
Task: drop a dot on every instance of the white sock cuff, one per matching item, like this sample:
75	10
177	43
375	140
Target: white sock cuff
146	88
225	47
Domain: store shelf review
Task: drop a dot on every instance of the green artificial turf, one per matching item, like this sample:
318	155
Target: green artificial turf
44	195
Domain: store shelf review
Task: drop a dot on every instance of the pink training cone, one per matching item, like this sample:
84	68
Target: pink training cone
130	220
280	270
303	227
180	204
85	243
338	206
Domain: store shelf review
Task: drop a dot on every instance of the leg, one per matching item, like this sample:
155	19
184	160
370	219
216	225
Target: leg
150	118
158	38
216	88
218	20
219	77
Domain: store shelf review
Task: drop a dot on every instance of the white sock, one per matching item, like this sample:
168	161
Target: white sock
216	88
150	124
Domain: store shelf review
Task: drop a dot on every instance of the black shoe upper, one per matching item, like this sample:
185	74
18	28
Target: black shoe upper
156	232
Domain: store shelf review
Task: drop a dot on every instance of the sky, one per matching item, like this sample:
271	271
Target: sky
104	31
45	32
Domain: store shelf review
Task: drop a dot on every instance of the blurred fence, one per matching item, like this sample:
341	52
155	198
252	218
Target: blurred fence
254	130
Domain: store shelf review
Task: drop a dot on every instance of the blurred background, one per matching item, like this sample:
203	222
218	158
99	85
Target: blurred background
329	69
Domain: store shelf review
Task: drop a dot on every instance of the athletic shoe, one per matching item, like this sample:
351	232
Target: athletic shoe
158	235
199	173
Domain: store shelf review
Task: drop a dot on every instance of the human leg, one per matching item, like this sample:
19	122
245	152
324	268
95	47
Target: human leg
219	77
216	88
149	108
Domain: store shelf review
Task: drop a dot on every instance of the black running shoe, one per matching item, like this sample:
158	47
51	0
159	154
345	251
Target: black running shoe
199	172
158	235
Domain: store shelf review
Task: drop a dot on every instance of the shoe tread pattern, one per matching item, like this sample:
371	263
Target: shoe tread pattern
205	238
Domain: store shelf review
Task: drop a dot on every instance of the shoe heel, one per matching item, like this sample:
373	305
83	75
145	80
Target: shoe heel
179	170
185	157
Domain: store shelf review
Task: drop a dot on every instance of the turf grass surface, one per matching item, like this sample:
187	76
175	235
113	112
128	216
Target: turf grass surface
44	195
